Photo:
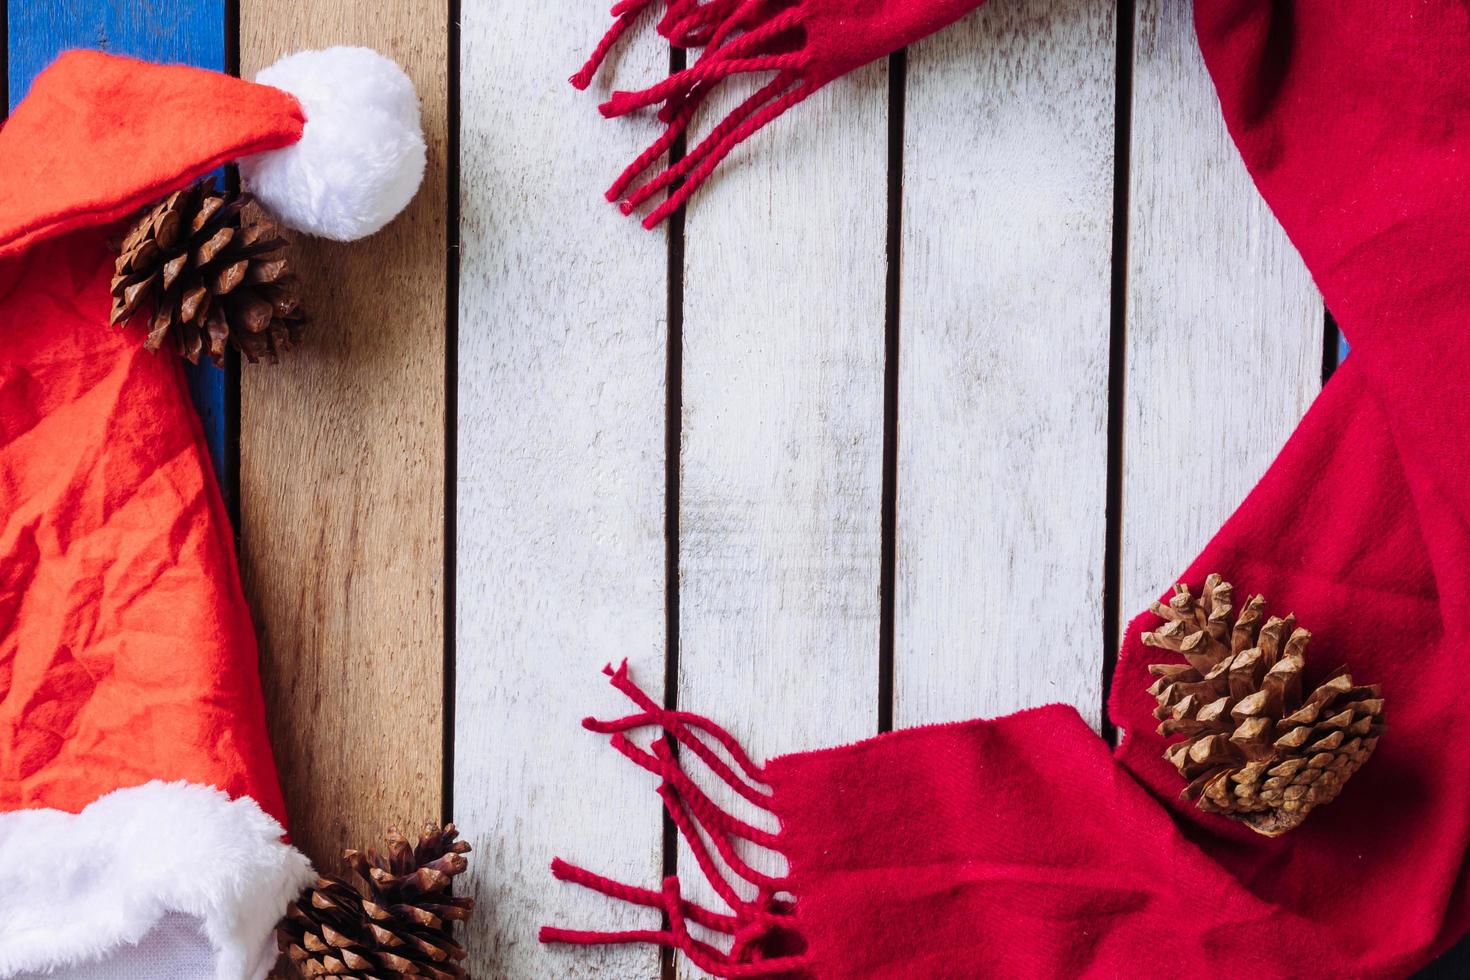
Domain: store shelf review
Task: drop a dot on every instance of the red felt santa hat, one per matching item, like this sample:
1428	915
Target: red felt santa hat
141	820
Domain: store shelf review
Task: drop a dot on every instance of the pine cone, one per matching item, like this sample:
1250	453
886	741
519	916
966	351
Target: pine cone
212	270
1255	750
391	918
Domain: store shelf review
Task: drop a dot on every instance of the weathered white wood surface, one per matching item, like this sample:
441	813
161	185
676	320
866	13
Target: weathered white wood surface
1224	325
1003	400
560	490
1003	426
780	533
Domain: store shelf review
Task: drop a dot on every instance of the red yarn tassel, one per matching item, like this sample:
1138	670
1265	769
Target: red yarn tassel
739	37
698	818
625	12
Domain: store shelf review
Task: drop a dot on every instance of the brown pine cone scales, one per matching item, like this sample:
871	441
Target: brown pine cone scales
1254	748
391	917
211	271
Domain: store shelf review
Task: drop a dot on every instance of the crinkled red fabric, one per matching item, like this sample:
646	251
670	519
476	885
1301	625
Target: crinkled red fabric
126	649
1021	847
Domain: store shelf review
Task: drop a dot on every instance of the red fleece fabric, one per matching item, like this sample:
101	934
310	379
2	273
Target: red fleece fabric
126	649
1023	847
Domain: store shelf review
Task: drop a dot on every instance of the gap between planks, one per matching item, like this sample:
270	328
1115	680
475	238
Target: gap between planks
451	408
4	60
673	436
892	344
1112	624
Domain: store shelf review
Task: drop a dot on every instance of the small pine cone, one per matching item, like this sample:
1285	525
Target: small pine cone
1254	748
390	917
212	270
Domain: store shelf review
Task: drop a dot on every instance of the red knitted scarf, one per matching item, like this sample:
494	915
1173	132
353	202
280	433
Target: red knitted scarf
1024	846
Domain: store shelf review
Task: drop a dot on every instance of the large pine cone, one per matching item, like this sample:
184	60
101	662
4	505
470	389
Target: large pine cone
1255	750
212	270
391	918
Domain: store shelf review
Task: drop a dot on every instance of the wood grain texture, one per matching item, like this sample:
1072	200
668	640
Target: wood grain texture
1224	345
561	554
342	449
782	432
1003	400
190	32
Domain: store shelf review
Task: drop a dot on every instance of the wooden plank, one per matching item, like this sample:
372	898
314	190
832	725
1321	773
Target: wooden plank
1225	329
185	31
781	469
342	475
1003	399
561	551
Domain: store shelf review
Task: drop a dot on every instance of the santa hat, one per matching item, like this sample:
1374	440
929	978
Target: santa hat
141	820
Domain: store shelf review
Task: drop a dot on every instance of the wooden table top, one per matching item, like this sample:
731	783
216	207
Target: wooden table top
939	381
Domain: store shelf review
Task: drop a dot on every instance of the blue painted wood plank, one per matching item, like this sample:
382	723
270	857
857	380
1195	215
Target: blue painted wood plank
183	31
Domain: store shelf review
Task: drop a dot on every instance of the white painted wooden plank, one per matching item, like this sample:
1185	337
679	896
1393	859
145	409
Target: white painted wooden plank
1003	400
560	490
781	465
1224	345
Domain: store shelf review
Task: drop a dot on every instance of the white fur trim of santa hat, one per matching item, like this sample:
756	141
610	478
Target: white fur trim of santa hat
361	155
79	889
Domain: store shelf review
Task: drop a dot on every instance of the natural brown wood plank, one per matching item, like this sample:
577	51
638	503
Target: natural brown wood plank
342	475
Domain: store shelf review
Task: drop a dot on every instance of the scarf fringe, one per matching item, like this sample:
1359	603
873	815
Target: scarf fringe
698	819
739	37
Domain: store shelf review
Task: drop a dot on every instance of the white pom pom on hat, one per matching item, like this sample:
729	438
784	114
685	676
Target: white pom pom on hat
361	156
